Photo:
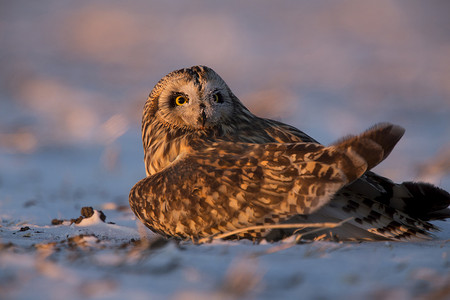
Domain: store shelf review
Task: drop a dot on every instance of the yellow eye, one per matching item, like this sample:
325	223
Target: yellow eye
181	100
218	98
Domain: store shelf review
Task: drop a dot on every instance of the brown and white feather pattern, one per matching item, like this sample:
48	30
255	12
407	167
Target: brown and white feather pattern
213	167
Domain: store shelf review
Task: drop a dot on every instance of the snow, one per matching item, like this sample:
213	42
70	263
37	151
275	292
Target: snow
100	260
73	82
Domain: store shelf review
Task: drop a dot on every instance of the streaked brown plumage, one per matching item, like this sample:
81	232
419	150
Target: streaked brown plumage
213	167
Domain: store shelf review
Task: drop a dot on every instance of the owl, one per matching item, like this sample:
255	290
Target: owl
214	167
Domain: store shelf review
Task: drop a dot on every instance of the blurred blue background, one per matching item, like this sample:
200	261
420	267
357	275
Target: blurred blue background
75	74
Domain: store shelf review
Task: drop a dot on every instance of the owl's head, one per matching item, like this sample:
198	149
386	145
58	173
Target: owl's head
193	98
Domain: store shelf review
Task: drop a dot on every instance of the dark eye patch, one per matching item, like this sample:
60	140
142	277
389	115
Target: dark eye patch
218	98
173	97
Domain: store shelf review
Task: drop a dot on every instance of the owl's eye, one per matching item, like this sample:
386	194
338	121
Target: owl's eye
218	98
181	100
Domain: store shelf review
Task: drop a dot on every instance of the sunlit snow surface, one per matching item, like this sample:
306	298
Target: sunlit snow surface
73	79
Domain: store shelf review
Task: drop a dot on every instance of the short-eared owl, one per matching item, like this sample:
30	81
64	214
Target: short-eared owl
214	167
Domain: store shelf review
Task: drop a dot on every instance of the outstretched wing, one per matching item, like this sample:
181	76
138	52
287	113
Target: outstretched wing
227	186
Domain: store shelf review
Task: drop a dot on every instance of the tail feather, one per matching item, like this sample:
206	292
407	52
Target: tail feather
419	200
423	200
379	219
381	210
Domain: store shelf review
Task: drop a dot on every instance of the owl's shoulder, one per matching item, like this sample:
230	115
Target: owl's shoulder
284	133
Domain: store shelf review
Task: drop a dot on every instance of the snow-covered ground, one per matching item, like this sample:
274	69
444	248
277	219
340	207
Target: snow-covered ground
73	79
95	259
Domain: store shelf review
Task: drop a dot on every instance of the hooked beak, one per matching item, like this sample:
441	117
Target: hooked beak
202	118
